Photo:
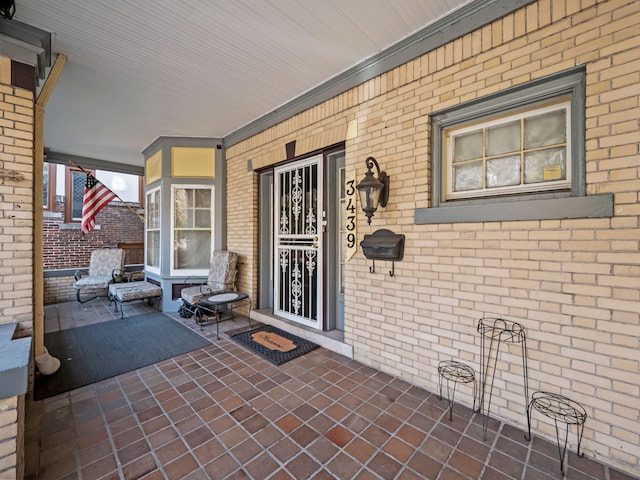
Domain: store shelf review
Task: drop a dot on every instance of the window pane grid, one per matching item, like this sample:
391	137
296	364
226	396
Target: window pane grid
509	155
153	229
192	228
77	194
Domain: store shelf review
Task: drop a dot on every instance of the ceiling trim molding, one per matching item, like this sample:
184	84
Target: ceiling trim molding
466	19
91	163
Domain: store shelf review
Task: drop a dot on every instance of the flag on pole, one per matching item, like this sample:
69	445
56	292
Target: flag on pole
96	197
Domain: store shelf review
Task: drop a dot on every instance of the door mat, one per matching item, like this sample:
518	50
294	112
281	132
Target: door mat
96	352
274	344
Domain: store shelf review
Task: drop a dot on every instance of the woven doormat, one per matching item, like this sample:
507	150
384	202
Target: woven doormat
274	344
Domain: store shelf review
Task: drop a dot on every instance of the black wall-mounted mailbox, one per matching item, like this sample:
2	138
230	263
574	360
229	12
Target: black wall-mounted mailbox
383	245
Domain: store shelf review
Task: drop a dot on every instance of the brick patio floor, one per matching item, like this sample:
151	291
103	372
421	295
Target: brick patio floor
222	412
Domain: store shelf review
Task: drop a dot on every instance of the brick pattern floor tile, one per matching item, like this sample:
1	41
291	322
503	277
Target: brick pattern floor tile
222	412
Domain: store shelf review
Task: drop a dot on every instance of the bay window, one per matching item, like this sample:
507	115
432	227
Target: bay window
192	229
153	217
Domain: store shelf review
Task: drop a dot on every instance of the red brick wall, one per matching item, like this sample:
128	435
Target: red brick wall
68	248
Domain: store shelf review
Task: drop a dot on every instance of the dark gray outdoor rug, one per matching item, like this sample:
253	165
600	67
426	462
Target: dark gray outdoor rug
103	350
274	344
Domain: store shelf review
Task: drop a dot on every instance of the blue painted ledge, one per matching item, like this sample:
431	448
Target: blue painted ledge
14	361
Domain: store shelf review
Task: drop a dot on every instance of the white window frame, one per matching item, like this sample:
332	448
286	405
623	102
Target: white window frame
451	133
193	271
150	268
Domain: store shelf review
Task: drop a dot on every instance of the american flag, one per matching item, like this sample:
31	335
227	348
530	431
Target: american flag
96	197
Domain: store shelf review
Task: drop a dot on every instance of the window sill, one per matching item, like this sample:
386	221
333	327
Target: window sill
591	206
74	226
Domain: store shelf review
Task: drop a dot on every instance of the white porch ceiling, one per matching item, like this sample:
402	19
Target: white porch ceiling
142	69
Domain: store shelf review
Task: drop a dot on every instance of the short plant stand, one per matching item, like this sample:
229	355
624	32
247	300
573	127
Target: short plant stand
561	410
456	372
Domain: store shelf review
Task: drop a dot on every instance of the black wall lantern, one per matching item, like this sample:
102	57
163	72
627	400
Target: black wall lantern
373	191
7	9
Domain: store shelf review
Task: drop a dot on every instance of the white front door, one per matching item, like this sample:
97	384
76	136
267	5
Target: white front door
298	261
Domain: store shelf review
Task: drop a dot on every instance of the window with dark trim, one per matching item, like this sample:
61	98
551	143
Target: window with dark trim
49	174
515	155
75	180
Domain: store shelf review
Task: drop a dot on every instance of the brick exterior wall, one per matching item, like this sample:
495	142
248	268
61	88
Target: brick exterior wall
12	437
68	248
16	248
59	289
16	204
573	284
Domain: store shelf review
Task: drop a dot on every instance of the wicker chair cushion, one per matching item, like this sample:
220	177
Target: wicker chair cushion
126	292
222	277
104	261
102	265
93	282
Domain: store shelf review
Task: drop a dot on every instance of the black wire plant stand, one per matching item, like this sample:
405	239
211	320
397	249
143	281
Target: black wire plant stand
493	333
561	410
456	372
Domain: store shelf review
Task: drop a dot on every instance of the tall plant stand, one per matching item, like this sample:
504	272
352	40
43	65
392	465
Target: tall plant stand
493	333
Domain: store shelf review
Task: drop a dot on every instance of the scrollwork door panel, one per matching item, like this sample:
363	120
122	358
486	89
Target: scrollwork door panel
298	242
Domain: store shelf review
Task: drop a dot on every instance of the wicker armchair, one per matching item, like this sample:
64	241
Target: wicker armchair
105	267
222	278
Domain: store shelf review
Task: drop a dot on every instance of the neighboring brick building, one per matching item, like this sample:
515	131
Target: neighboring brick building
119	227
572	282
66	249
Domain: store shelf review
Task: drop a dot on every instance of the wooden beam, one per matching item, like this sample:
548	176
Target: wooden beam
38	214
50	82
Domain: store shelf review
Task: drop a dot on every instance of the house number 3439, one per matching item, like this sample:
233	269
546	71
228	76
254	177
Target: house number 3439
350	205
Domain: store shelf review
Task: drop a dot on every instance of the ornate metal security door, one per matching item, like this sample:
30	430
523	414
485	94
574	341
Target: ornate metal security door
298	242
